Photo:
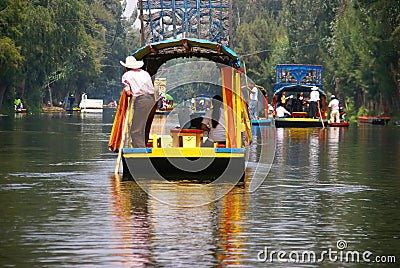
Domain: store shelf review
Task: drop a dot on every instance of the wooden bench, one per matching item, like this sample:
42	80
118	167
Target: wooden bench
299	114
178	133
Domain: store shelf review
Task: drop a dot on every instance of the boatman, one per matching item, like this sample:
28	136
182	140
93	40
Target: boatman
314	102
253	101
334	105
138	85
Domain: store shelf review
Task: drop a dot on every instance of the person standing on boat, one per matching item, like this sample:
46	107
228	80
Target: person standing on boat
334	105
138	85
214	123
297	103
314	102
253	101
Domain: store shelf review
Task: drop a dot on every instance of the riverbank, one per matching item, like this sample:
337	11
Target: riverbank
52	109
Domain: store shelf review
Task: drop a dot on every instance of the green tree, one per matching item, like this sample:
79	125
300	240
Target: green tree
364	57
12	16
10	60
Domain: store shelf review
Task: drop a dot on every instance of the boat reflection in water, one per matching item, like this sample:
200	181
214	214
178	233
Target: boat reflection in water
297	144
158	233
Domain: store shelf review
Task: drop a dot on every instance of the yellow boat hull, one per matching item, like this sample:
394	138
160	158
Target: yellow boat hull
199	164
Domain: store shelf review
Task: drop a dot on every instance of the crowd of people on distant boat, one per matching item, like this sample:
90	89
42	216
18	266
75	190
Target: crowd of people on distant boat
309	104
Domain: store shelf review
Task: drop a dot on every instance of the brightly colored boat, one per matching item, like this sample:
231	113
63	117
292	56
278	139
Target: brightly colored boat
294	83
91	105
178	154
374	120
340	124
263	118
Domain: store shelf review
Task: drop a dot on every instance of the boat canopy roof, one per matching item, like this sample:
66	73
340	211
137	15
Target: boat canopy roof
298	78
156	54
297	88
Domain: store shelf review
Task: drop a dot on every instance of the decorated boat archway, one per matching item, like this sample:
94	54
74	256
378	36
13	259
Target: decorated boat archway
292	81
161	160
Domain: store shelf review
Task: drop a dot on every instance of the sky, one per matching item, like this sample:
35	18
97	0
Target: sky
131	4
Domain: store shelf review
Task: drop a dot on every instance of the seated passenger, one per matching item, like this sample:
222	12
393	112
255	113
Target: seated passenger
281	112
214	123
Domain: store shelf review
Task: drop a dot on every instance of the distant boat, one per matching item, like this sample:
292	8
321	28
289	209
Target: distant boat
264	119
261	122
374	120
341	124
91	105
294	79
20	111
19	107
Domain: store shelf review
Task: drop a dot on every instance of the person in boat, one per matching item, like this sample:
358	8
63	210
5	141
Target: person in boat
253	101
283	99
334	106
18	106
297	103
289	103
214	123
138	85
314	102
281	112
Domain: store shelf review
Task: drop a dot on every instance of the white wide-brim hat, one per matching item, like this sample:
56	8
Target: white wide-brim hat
132	63
314	88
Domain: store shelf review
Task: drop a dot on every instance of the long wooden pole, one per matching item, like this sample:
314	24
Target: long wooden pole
247	85
320	115
121	145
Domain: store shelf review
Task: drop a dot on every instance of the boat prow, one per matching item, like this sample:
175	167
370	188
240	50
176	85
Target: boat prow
341	124
300	122
261	122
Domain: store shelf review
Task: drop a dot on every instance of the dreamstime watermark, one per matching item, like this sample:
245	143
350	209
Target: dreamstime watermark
338	254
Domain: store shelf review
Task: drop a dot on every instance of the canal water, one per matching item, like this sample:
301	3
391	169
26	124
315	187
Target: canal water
331	198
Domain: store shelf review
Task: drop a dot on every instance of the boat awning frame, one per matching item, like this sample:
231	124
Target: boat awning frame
156	54
297	88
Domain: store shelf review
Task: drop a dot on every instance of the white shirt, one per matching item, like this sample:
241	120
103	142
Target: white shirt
314	95
138	82
218	133
254	94
281	111
334	104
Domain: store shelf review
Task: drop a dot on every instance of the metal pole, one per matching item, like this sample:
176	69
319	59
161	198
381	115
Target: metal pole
142	41
230	41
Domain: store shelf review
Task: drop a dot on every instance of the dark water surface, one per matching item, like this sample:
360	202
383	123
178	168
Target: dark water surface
329	192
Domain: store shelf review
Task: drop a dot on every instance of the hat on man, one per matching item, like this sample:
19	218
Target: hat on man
333	97
132	63
314	88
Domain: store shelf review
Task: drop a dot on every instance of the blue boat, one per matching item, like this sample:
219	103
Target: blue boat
295	79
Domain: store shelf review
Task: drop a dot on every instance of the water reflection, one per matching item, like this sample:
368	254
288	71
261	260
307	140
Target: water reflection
261	155
131	223
156	233
60	207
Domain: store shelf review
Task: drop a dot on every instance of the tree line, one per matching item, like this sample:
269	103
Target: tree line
356	41
52	48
